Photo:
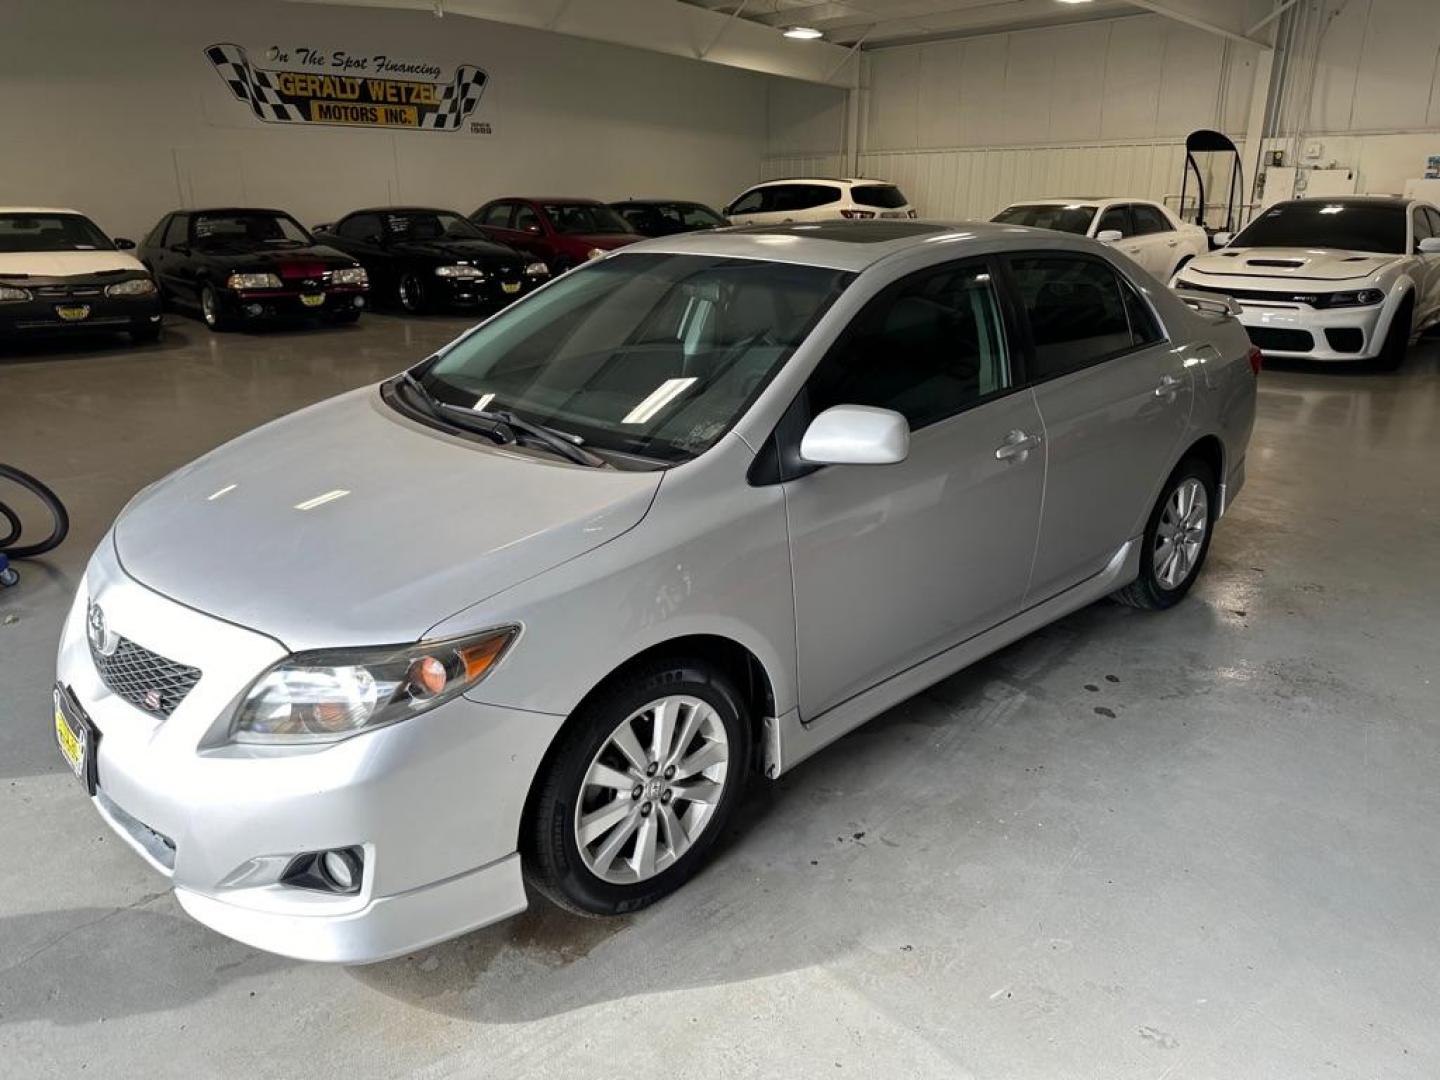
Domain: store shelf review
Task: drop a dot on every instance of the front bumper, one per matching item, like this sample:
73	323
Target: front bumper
472	294
434	803
270	305
86	314
1286	329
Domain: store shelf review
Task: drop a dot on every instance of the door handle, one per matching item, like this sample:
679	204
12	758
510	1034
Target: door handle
1172	243
1016	445
1132	251
1169	386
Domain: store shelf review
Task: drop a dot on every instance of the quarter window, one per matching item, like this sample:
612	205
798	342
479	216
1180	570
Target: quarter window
1080	312
928	347
1150	220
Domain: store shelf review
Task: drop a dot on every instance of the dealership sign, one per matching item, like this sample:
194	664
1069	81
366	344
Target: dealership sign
342	88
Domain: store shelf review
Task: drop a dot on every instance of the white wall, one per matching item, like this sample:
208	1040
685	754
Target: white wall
1375	102
111	107
967	126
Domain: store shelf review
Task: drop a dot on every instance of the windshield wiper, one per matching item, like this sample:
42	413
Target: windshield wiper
560	442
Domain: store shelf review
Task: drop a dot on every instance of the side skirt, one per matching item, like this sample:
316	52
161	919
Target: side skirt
789	740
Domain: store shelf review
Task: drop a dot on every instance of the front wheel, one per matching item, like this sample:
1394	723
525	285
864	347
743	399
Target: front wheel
211	311
1397	339
410	291
1176	540
639	789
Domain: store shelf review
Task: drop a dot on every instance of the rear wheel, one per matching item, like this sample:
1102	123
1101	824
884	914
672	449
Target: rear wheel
1397	338
639	788
1176	540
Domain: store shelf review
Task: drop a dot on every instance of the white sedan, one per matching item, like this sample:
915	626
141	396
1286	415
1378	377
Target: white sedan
1353	278
1144	230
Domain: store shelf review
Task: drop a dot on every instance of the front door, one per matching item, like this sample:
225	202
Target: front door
893	564
1115	398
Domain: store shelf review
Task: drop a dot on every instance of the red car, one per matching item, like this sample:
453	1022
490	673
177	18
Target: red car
562	233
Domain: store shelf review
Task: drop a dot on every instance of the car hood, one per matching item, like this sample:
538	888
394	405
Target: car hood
348	524
277	259
1310	264
604	241
482	250
66	263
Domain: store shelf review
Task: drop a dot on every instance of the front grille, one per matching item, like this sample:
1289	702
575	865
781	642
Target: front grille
135	673
1346	339
1271	339
66	292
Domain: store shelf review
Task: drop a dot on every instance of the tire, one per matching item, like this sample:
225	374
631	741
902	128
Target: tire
1184	262
410	294
210	311
696	696
1163	584
1397	338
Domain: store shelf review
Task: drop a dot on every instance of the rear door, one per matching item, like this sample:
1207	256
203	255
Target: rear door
1115	398
894	564
1158	239
172	260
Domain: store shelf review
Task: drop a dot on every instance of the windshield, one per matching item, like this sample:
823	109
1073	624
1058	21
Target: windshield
248	227
1072	218
1341	226
50	232
654	355
585	218
431	225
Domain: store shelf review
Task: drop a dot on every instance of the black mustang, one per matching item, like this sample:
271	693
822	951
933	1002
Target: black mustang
247	265
666	217
427	259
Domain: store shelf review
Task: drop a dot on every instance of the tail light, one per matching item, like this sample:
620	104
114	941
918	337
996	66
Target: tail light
1257	359
857	215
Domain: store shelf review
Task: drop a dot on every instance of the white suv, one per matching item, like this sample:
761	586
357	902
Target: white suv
780	201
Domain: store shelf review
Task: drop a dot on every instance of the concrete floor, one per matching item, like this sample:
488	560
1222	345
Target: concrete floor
1197	844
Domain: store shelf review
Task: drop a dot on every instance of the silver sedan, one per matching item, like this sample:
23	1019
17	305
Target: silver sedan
543	604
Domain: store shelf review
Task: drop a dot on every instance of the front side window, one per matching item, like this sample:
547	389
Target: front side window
752	202
360	227
1339	226
1433	216
178	231
927	348
1072	218
585	219
1422	225
50	232
650	354
1080	312
1117	218
228	227
496	215
1149	220
526	219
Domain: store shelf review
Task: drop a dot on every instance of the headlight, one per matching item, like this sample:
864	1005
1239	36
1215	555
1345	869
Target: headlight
459	271
1355	298
595	253
329	695
252	281
537	269
9	294
140	286
349	275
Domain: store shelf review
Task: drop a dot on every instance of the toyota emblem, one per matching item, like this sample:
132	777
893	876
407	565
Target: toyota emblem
101	639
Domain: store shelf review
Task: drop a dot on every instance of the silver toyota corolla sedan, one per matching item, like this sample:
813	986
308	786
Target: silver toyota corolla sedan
540	606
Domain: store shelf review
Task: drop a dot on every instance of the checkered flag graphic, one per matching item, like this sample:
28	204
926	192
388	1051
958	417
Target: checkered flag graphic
458	100
250	85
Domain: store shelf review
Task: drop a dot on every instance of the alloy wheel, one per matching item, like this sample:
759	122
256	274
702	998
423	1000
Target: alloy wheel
1180	534
651	789
207	307
411	296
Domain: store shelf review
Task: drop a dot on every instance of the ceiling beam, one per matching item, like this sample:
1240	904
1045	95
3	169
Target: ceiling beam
1197	22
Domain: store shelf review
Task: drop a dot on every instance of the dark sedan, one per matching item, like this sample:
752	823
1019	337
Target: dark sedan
426	259
666	217
248	266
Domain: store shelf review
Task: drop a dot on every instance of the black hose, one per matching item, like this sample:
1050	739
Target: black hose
52	503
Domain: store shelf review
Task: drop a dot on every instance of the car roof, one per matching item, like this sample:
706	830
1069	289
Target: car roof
401	209
657	202
39	210
545	199
230	210
838	245
1355	200
852	180
1098	200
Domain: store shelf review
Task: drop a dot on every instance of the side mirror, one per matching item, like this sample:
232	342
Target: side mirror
1429	246
122	244
856	435
374	238
534	230
1109	236
1222	239
183	249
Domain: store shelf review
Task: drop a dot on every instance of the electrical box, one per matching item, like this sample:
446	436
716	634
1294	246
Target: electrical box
1292	183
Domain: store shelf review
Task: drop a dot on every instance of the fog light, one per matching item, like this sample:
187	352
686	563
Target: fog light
253	310
341	869
359	301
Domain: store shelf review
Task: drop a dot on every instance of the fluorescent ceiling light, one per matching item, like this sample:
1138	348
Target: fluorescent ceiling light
804	33
662	395
1074	1
321	500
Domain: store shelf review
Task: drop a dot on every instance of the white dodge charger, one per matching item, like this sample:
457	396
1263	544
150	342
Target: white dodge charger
1353	278
1144	230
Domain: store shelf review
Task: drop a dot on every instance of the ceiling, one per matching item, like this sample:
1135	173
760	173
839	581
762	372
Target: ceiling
875	22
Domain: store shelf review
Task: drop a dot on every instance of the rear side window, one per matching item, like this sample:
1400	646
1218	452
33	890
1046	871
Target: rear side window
1149	220
1080	311
884	196
928	348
